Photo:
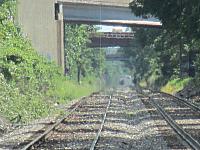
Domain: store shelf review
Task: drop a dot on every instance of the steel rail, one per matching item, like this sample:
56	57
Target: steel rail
101	127
180	131
190	104
51	128
184	135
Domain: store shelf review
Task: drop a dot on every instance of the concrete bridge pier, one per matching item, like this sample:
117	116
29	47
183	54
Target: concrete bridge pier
61	37
42	22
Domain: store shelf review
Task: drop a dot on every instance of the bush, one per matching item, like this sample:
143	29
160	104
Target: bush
26	106
175	85
29	83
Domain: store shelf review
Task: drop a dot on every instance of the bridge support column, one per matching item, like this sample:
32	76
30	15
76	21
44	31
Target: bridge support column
60	38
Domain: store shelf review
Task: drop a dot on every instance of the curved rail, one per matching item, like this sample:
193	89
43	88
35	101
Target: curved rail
101	127
184	135
40	137
51	128
190	104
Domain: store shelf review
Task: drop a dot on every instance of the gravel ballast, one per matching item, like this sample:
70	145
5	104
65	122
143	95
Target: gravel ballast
131	124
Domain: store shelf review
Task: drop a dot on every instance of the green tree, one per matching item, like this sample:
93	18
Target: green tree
181	23
80	59
180	15
77	52
98	61
142	54
8	28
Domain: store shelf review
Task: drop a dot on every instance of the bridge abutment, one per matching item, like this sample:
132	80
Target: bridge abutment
38	22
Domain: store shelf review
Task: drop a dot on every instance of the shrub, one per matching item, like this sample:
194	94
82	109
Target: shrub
175	85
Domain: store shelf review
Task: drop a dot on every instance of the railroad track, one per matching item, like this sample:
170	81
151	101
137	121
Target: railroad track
188	103
181	115
51	128
51	133
101	141
86	125
94	143
117	121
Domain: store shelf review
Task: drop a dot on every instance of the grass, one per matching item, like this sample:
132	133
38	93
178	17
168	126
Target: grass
67	90
175	85
34	105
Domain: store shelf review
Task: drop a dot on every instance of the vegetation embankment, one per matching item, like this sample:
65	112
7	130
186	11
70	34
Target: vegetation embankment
176	85
170	55
30	84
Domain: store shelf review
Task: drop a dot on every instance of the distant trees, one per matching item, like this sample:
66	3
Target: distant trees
143	59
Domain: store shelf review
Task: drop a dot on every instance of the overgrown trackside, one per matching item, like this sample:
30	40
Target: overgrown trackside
29	83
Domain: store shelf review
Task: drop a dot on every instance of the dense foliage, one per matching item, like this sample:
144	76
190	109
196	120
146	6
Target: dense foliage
180	16
144	61
24	74
172	51
30	84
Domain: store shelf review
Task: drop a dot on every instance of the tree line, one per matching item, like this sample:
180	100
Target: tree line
172	51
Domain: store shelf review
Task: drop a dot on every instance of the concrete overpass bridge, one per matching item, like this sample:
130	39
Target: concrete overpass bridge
43	21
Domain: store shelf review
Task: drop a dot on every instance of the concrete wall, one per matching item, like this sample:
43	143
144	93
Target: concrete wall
37	19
